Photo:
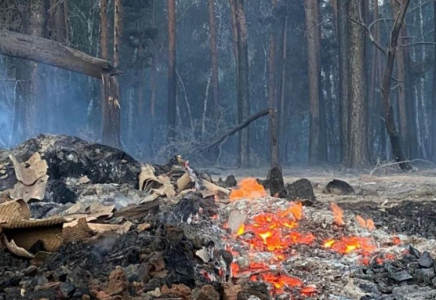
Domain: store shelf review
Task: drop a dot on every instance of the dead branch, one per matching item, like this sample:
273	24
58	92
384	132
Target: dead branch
54	54
398	163
237	128
371	37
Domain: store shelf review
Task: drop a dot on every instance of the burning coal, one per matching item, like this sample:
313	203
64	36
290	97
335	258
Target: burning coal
267	239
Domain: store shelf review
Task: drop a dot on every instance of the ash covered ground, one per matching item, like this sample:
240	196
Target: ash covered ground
184	247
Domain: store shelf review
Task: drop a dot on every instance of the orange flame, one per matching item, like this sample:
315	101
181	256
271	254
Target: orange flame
368	224
248	188
337	214
361	221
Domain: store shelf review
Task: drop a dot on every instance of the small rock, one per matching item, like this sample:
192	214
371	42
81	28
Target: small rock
425	261
102	296
67	289
131	272
231	291
207	292
117	281
30	271
415	252
177	290
155	293
401	276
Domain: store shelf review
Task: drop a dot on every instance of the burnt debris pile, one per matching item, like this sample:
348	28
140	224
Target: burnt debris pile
86	221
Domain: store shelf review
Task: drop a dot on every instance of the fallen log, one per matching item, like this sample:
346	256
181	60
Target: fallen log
54	54
238	127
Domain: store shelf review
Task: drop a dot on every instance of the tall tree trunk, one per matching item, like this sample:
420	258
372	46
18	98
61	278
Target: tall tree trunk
243	82
104	27
172	79
434	89
214	57
110	105
105	91
28	100
282	106
314	76
358	133
343	37
272	70
58	34
401	84
373	83
386	88
322	105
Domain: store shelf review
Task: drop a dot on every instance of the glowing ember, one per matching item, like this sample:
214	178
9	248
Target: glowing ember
308	290
368	224
280	282
384	257
272	231
275	233
350	244
248	188
337	214
396	241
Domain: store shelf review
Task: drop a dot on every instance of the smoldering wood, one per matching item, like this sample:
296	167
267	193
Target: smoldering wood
52	53
237	128
339	187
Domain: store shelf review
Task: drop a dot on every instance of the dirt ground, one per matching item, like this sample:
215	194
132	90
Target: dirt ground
385	186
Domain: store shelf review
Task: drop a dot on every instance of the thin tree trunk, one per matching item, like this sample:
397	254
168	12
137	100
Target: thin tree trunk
22	77
243	82
314	71
153	72
434	89
111	104
343	22
386	89
272	70
104	34
322	105
36	27
373	83
214	57
172	79
282	105
401	84
232	4
358	133
58	34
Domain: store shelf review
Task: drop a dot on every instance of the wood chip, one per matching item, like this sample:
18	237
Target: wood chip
183	182
29	175
142	227
14	249
215	188
36	191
